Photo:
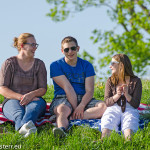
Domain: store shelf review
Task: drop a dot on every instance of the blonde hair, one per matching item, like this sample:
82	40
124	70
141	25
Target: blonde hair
21	40
67	40
125	68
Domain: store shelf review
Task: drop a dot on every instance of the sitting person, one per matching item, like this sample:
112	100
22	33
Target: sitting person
23	80
73	80
123	92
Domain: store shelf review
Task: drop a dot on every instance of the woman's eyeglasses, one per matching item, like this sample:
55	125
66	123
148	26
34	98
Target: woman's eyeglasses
34	45
114	62
73	48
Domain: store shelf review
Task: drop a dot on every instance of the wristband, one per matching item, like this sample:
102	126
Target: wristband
113	100
21	98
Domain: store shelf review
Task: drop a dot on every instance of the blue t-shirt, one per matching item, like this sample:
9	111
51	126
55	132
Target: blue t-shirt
76	75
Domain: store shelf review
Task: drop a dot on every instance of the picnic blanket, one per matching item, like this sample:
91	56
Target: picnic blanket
92	123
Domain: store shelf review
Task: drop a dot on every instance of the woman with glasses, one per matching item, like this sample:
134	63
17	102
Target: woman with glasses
23	80
123	92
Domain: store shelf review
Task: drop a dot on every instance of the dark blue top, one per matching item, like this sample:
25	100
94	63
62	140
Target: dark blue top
76	75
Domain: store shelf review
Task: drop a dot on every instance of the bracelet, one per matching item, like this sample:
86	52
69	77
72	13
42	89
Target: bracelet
113	100
21	98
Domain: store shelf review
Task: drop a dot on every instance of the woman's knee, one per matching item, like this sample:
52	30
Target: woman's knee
37	104
13	110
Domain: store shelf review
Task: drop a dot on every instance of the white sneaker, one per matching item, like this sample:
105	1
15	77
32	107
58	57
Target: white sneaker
30	131
25	128
59	132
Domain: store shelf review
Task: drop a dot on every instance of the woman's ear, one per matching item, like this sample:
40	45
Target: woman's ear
121	64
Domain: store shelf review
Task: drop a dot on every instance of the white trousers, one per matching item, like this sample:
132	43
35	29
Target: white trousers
113	116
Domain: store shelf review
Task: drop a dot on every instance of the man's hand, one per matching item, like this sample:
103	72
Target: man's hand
78	112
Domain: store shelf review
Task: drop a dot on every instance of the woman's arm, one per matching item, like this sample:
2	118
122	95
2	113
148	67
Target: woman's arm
134	100
109	98
26	98
6	74
31	96
6	92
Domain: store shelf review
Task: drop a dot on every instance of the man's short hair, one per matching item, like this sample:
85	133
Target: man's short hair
68	39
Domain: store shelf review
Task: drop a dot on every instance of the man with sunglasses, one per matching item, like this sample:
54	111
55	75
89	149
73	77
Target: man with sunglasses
73	80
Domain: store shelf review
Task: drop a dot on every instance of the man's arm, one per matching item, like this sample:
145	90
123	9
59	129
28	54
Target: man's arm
63	82
89	90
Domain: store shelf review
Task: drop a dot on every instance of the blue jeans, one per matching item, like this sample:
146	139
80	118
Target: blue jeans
22	114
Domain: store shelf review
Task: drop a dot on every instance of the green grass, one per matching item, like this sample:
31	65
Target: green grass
79	138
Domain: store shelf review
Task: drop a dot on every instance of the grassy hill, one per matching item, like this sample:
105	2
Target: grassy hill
79	138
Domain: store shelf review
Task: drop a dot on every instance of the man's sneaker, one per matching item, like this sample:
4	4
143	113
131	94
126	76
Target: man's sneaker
59	132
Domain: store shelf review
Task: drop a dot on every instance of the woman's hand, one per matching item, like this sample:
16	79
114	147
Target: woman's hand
125	89
125	92
118	95
27	98
119	90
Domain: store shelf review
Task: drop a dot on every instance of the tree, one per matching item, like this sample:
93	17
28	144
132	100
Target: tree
132	15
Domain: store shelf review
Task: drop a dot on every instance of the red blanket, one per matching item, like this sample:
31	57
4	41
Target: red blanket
46	118
143	109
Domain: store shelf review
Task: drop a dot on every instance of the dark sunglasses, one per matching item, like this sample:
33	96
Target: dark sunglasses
33	44
73	48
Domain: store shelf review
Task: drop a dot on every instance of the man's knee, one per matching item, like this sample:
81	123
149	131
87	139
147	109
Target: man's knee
62	109
102	106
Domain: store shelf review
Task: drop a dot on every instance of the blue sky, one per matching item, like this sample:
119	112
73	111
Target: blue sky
20	16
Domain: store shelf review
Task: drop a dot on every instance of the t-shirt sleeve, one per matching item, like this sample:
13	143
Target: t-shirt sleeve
42	76
55	70
6	73
89	70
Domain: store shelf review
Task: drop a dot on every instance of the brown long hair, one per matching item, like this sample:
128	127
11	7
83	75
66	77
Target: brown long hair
125	68
21	40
